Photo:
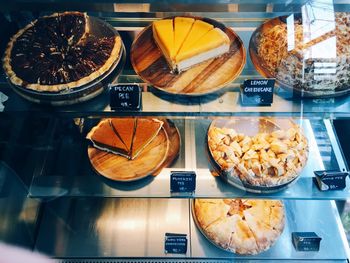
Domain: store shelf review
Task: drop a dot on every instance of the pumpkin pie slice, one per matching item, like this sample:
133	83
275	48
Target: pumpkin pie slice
124	128
104	138
146	131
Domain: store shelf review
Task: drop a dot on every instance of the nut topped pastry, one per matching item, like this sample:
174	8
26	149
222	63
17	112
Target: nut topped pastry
266	158
241	226
59	52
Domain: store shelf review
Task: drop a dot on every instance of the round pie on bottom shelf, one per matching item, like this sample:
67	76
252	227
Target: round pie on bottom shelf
241	226
259	152
59	52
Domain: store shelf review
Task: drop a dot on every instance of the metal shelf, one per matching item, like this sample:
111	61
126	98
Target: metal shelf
97	227
156	103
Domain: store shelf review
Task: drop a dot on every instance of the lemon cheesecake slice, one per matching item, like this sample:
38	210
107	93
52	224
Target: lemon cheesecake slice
182	27
211	45
163	33
186	42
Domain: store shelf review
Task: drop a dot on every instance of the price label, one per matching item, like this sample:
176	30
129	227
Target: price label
125	97
331	180
182	181
306	241
257	92
175	243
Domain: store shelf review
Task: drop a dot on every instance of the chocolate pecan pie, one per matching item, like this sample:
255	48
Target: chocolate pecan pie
59	52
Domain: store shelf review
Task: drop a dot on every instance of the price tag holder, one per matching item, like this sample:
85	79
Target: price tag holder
306	241
182	181
175	243
257	92
331	180
125	97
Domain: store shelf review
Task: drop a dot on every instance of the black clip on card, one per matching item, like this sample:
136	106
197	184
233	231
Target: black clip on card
257	92
331	180
125	97
175	243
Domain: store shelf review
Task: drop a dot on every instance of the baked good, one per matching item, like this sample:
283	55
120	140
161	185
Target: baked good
146	130
104	138
316	62
124	136
59	52
265	159
124	128
241	226
186	42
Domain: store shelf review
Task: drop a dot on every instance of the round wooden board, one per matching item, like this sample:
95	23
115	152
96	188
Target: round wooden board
260	64
119	168
207	77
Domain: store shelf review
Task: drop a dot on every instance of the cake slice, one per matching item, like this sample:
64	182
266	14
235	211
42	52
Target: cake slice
146	131
199	29
104	138
182	27
187	42
124	128
163	33
211	45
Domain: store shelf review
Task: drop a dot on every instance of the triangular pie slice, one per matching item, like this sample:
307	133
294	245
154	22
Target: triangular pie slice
211	45
163	34
104	138
125	129
182	27
199	29
185	43
146	131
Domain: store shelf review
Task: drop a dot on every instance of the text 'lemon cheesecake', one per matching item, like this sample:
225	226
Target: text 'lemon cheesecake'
186	42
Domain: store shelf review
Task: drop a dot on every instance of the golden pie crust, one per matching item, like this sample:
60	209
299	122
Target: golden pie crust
265	159
242	226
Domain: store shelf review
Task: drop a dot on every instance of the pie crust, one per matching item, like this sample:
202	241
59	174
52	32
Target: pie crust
66	60
266	159
242	226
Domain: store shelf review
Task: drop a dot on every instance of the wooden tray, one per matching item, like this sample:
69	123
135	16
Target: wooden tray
160	153
260	65
207	77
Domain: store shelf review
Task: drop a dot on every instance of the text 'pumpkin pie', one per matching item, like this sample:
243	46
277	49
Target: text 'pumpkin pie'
241	226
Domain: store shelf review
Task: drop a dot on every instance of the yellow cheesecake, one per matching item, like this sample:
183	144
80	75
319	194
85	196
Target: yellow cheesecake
194	41
163	33
182	26
213	44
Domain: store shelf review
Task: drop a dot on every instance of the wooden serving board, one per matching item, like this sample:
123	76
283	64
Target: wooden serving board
207	77
119	168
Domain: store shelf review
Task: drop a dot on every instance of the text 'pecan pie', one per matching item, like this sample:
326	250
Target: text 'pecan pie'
241	226
267	158
59	52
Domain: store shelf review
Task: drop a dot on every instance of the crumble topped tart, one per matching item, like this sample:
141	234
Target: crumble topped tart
59	52
242	226
265	159
319	64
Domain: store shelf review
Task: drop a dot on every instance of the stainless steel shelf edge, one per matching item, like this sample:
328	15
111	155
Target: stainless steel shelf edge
133	229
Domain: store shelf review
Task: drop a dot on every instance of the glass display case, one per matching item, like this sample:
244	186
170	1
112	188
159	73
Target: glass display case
82	181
